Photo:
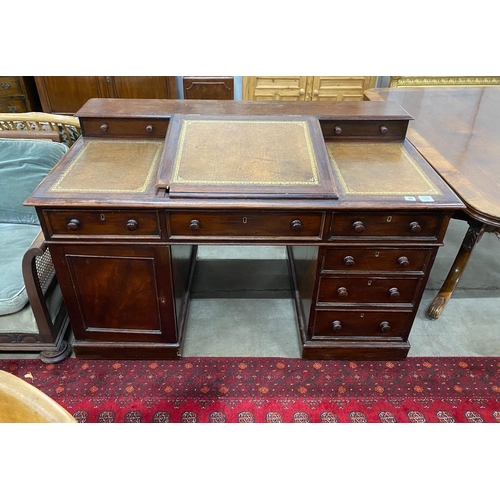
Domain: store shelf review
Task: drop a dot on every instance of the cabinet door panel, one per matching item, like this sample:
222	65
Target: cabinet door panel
67	94
143	87
275	88
340	88
117	294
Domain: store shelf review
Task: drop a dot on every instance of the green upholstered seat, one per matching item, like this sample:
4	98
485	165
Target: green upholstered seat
23	165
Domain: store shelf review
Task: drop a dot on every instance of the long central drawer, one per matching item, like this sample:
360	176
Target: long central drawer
241	224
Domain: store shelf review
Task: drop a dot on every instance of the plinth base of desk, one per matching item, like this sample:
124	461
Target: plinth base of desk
114	350
356	351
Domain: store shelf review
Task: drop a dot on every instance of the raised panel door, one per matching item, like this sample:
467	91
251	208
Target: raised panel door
339	88
143	87
67	94
275	88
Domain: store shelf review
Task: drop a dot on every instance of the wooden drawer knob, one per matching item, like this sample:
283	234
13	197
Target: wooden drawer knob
394	293
383	129
149	128
338	130
132	225
336	325
358	226
73	224
349	261
194	225
342	291
385	327
296	225
403	261
415	227
104	127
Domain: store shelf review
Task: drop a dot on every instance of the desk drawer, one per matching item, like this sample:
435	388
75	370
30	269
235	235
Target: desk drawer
343	323
376	259
241	224
360	225
102	223
10	85
366	290
104	127
16	104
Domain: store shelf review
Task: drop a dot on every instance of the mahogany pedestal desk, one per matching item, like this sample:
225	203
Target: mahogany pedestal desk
360	212
457	130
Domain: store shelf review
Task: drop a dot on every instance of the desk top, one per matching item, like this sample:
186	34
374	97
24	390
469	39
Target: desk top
243	155
457	130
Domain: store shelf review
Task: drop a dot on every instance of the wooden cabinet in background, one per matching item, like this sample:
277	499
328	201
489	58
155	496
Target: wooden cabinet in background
208	87
306	88
18	94
67	94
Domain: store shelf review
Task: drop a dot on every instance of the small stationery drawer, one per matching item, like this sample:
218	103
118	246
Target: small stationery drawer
343	323
102	223
104	127
15	104
376	259
10	85
367	290
385	224
334	129
285	225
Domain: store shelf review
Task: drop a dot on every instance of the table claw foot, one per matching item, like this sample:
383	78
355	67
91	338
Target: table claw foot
437	306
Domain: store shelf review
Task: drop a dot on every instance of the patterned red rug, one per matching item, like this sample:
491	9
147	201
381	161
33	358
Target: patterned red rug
434	389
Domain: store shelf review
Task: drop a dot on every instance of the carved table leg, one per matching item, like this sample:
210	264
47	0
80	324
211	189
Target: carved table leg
473	235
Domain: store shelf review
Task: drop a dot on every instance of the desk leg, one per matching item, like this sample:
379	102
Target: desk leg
473	235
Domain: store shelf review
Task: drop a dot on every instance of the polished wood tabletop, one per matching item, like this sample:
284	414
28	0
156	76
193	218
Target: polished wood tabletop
457	130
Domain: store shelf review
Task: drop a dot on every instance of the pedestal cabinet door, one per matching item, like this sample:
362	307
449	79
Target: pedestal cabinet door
117	293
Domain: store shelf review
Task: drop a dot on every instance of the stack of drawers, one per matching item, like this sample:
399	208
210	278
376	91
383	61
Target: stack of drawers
371	281
18	94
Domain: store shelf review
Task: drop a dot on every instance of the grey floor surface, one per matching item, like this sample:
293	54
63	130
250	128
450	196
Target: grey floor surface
242	306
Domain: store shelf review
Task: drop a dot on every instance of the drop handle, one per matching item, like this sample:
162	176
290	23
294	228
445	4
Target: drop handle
349	261
194	225
415	227
296	225
358	226
132	225
403	261
73	224
385	327
104	127
394	293
336	325
342	291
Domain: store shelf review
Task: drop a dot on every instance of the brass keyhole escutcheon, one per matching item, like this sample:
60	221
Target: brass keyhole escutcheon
245	220
389	219
102	217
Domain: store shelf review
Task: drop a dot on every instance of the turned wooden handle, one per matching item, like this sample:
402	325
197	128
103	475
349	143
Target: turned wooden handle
104	127
349	261
394	293
403	261
342	291
336	325
385	327
358	226
132	225
415	227
194	225
73	224
296	225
